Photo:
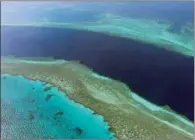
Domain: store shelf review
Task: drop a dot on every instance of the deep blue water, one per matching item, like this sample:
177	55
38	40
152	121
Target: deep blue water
159	75
30	111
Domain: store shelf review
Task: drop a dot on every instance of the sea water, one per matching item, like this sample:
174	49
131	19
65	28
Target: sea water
34	109
154	73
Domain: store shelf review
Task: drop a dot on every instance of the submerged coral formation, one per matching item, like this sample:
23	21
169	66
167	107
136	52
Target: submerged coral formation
26	114
147	30
129	116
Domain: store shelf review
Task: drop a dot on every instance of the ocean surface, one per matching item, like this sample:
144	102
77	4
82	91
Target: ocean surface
160	76
177	12
34	109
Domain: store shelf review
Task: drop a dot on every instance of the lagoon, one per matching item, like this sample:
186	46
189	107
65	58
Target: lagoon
34	109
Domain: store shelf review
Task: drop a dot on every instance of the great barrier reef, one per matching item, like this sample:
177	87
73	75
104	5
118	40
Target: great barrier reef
97	70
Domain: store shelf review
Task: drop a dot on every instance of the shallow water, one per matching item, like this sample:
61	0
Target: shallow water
30	110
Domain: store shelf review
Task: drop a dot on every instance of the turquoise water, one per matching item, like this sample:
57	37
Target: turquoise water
29	110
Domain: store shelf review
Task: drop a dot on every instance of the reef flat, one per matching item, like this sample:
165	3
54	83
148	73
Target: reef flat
29	109
129	116
145	30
